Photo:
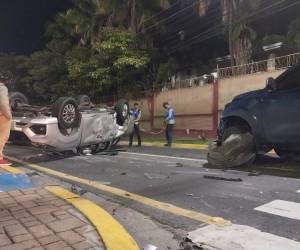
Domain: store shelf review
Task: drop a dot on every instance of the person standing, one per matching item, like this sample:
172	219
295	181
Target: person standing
170	122
5	114
137	114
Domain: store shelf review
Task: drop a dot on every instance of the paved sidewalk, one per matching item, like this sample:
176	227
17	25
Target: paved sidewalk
36	219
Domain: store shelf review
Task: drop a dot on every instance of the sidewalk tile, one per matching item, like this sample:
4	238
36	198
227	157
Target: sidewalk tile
34	219
71	237
26	245
4	240
83	245
14	230
43	209
56	245
65	225
48	240
21	238
40	231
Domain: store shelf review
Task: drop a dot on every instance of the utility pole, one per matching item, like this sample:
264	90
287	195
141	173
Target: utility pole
230	30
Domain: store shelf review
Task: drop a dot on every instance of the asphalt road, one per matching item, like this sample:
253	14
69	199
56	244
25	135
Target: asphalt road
177	176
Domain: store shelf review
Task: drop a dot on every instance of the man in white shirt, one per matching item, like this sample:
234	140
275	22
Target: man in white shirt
5	113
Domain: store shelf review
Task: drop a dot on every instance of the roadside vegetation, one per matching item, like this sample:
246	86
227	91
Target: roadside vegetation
100	47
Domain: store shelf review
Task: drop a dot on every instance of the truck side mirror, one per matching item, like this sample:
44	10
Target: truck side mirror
271	84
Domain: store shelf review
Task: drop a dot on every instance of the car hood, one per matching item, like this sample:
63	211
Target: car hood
248	95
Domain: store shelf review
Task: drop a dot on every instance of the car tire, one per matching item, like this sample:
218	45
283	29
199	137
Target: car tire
237	149
65	109
122	110
16	98
83	100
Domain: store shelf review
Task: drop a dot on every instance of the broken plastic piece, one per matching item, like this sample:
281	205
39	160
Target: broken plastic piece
150	247
221	178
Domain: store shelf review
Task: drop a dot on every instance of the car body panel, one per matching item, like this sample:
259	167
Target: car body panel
95	127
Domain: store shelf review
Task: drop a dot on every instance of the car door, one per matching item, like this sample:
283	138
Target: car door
281	110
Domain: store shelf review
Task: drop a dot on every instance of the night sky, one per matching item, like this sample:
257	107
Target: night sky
22	23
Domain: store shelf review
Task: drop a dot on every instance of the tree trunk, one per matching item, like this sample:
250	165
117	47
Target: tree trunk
242	54
230	30
133	21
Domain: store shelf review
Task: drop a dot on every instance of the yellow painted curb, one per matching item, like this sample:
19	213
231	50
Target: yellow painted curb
167	207
113	234
12	170
174	145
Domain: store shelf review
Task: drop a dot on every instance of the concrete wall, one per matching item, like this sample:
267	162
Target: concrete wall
194	106
231	87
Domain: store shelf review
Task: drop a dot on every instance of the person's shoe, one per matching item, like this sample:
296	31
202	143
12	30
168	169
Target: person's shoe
130	145
4	163
167	145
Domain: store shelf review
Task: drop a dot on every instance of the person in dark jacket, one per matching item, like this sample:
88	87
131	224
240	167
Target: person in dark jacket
170	122
137	114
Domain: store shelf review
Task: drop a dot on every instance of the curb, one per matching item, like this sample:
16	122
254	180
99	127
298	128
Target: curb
174	145
113	234
12	170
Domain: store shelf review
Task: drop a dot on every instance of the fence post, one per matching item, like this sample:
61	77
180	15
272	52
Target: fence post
152	110
215	106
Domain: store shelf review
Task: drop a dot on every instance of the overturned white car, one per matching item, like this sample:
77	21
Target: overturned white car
69	123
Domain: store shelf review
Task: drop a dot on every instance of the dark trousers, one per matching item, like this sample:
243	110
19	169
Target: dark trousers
169	134
136	131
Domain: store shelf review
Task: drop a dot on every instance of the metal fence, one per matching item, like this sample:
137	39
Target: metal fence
272	64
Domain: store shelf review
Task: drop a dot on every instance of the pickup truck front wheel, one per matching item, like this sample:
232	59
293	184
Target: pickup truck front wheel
237	149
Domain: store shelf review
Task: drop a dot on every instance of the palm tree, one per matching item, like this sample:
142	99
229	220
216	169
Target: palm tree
240	34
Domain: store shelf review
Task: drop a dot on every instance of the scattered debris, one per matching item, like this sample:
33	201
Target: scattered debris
87	151
77	190
179	165
254	173
187	244
123	173
187	194
156	176
150	247
222	178
114	211
148	176
33	174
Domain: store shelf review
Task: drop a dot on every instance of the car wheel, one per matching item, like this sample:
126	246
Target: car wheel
97	148
65	109
122	110
17	98
83	100
237	149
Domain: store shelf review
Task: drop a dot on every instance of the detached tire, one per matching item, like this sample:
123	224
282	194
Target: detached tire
122	110
83	100
237	149
16	99
65	109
